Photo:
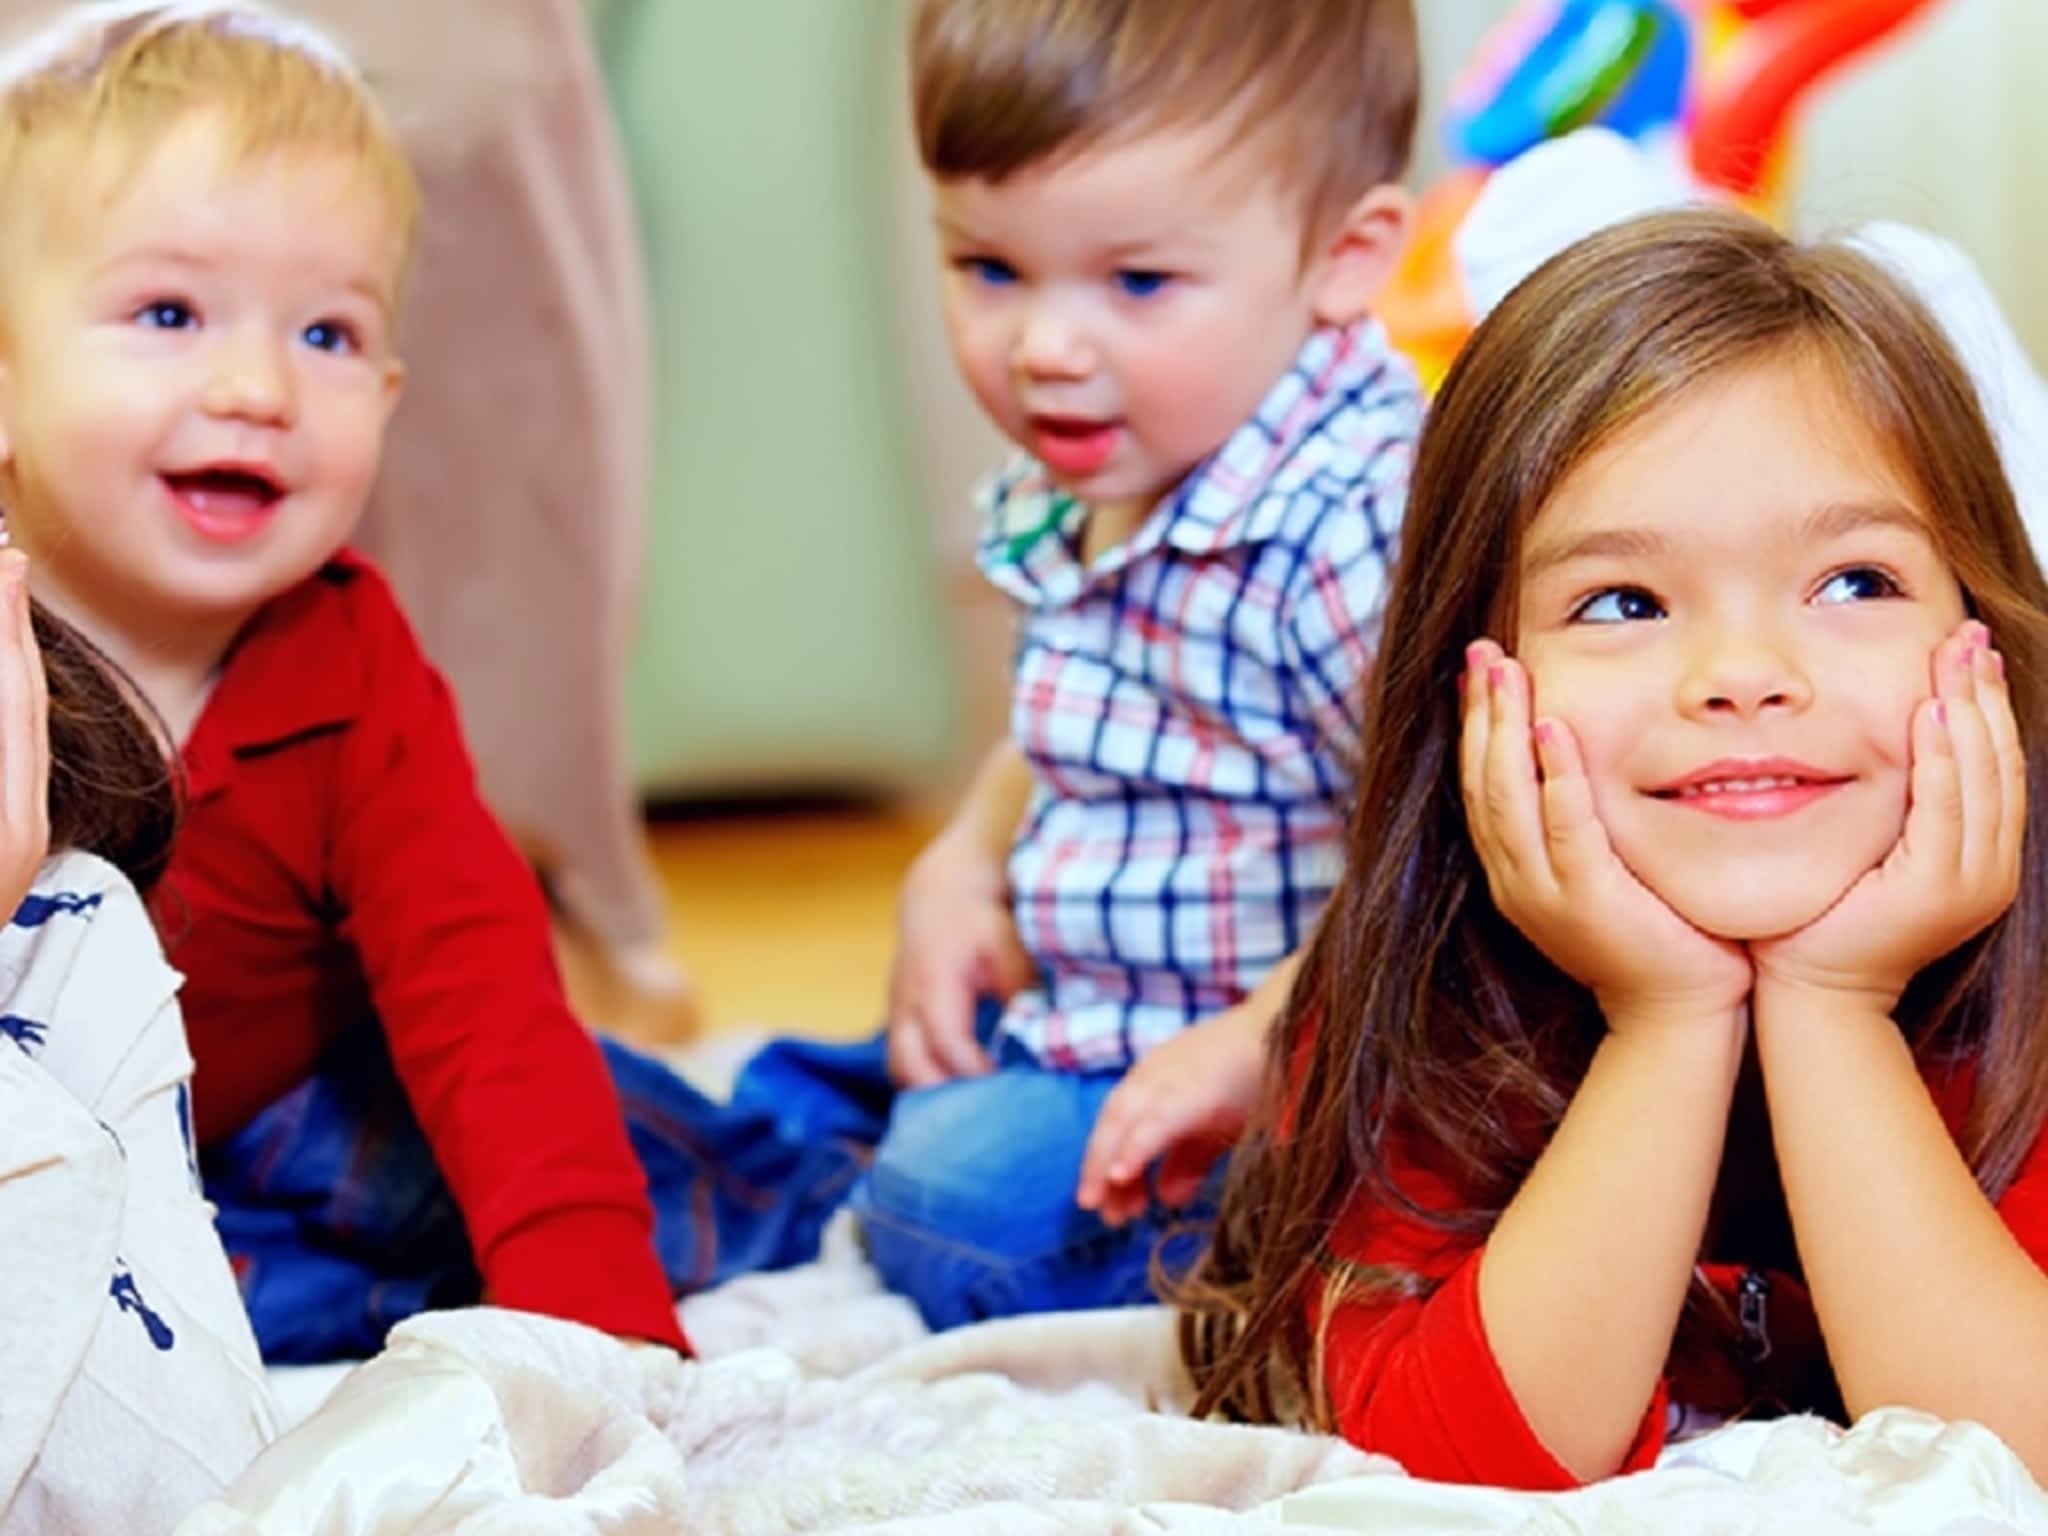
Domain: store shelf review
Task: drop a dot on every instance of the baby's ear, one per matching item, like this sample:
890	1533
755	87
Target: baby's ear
1361	255
393	382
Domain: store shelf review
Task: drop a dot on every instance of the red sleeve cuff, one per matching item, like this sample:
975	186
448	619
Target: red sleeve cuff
591	1266
1467	1426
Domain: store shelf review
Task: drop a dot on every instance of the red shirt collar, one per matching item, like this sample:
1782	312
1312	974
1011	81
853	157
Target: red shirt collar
290	674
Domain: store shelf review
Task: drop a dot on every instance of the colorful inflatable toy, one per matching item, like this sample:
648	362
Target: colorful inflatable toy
1718	84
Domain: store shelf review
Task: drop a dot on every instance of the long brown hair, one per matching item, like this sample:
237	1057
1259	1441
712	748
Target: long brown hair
113	790
1418	1003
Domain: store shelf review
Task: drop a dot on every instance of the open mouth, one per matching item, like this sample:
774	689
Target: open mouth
226	482
225	501
1074	446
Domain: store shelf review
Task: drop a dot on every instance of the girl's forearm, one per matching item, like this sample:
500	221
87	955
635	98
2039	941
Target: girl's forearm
1924	1296
1583	1278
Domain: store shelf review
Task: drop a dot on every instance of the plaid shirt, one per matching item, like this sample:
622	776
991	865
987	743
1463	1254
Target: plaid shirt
1188	706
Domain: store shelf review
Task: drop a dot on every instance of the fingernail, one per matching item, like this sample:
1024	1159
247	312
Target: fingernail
1494	673
1998	662
1941	712
1546	733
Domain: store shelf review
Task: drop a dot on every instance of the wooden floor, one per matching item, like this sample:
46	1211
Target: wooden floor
785	919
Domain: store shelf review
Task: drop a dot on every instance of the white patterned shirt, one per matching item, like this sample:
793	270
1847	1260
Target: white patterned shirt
1189	706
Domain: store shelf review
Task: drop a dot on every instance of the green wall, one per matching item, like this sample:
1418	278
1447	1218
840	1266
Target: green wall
792	635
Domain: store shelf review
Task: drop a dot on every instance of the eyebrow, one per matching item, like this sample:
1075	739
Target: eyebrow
1117	253
193	260
1833	520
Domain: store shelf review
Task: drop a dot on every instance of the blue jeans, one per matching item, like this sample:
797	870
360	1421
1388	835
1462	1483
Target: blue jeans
968	1206
339	1226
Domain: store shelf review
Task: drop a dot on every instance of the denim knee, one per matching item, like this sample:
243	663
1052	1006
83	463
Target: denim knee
969	1207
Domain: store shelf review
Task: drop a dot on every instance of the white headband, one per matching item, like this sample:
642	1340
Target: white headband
81	32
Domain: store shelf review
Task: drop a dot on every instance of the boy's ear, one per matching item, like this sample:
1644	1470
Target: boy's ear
1360	257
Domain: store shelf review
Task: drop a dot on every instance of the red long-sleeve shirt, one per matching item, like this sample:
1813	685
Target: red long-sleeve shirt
1416	1379
336	860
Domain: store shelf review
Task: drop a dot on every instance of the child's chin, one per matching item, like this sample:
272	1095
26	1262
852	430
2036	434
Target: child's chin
1762	912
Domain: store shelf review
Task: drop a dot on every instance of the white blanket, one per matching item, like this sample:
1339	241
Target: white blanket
823	1407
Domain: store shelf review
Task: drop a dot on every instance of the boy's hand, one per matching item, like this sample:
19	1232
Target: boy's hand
955	944
1554	874
24	739
1186	1101
1956	865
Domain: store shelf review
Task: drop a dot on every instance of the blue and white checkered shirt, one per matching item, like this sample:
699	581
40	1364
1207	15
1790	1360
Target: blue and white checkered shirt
1189	706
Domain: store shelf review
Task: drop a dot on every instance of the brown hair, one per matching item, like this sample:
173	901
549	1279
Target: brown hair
1328	87
112	788
1418	1003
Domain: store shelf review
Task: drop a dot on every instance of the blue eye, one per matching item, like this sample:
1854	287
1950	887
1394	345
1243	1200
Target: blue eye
1618	605
1858	584
166	315
989	271
329	336
1141	284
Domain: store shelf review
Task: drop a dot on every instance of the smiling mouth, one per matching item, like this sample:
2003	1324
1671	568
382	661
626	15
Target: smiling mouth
1748	786
228	482
1751	796
225	504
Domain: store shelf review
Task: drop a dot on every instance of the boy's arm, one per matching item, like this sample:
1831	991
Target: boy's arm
955	939
1184	1105
992	808
452	934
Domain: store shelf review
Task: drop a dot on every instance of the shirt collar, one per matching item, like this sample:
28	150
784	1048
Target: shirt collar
289	674
1238	495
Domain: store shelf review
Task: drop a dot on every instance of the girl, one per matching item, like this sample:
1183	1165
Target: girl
1682	1004
130	1387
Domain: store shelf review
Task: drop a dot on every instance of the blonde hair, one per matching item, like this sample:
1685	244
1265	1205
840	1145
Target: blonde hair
112	79
1326	88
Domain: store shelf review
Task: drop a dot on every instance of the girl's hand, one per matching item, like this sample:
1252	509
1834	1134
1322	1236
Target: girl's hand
1555	876
1956	865
24	740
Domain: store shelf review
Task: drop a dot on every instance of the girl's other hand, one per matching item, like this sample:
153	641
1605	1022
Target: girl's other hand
1956	865
24	739
1554	874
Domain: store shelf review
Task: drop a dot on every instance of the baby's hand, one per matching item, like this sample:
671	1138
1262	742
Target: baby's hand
1956	865
24	739
1186	1101
1555	876
955	944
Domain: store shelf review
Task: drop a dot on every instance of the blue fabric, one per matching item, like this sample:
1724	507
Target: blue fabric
339	1225
968	1209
